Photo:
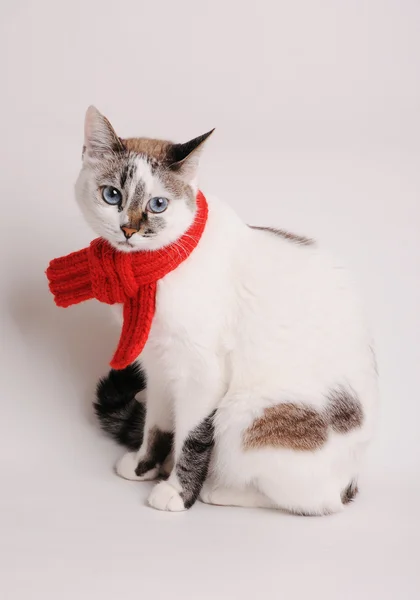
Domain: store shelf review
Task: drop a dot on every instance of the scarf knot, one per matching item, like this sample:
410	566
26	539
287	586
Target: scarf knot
111	273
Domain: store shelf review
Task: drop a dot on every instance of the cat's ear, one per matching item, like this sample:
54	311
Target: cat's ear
184	158
100	137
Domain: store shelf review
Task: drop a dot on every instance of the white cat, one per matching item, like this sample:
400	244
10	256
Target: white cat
260	370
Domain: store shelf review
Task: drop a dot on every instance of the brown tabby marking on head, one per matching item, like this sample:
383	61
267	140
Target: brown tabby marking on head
287	235
287	426
344	410
157	149
137	201
159	153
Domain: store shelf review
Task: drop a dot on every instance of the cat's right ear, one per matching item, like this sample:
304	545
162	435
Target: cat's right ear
100	137
183	158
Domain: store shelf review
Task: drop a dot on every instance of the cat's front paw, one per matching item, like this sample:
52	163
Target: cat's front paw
165	497
127	467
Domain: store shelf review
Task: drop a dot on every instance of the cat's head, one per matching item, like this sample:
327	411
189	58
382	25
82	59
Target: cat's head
138	193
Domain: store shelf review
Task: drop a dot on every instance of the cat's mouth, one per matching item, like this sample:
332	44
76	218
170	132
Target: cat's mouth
140	243
125	244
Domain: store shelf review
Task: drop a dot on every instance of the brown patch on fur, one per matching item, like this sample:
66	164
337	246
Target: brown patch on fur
287	235
300	427
344	410
287	426
157	149
349	493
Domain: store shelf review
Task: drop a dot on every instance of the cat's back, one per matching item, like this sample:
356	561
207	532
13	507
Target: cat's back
267	279
296	268
297	310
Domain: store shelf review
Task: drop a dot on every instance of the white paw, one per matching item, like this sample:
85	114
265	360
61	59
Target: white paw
165	497
127	465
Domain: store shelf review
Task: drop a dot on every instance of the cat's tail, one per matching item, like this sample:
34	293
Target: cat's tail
120	415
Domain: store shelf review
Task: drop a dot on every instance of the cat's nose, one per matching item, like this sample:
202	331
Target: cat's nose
128	231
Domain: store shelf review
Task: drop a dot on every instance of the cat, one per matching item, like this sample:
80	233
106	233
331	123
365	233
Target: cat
261	376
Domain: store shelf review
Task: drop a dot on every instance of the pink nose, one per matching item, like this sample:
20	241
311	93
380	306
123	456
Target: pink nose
128	231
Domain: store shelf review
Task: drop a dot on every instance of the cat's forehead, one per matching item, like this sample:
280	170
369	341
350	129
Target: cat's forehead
149	153
143	165
156	151
127	169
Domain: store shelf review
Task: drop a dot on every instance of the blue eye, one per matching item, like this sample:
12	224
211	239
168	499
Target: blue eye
111	195
157	205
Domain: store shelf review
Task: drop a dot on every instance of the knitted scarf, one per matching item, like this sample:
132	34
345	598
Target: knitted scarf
114	277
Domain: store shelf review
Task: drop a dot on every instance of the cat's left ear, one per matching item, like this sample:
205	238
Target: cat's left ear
184	158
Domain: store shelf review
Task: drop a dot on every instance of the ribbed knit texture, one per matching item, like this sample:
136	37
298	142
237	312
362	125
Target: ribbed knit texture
114	277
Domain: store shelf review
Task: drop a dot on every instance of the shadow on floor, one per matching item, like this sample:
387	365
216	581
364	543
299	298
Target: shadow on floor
77	342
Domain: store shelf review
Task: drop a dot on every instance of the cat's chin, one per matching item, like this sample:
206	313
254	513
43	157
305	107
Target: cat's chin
124	246
127	246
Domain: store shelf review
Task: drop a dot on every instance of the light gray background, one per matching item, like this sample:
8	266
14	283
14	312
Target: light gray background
316	105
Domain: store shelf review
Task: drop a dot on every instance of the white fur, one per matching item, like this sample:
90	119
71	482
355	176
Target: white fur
166	497
251	320
248	321
248	497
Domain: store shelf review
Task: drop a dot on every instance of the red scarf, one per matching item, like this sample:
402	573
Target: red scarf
110	276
